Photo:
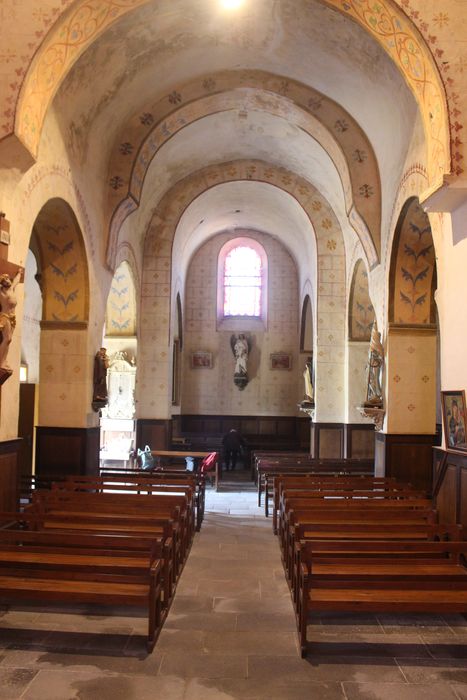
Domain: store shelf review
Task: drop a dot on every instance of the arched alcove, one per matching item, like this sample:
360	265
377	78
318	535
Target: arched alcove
361	316
412	357
306	326
62	273
120	340
412	281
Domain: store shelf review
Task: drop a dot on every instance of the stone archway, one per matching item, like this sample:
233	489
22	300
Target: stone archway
65	385
154	387
412	338
142	137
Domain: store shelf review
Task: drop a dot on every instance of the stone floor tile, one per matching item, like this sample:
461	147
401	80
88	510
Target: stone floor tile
271	621
14	681
283	670
197	665
390	691
207	621
248	642
61	685
431	671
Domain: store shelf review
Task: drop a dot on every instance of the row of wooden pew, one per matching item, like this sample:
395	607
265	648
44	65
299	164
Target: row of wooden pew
103	540
366	544
122	477
267	465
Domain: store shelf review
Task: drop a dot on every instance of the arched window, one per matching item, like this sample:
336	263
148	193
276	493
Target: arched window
242	281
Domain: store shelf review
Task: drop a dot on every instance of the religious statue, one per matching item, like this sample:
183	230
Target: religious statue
374	393
100	395
307	378
8	303
241	347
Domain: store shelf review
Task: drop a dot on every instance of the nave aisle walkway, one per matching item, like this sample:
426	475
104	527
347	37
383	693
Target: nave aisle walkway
231	635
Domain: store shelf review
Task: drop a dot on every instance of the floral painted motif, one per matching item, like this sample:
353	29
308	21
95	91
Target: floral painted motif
413	295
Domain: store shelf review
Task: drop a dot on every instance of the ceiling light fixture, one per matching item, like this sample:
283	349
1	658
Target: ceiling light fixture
231	4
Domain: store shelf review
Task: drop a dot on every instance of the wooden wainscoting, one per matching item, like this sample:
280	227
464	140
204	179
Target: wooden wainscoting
155	432
67	450
450	485
9	474
261	432
343	440
406	457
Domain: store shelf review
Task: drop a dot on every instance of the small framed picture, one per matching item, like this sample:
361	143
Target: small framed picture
201	360
454	419
280	360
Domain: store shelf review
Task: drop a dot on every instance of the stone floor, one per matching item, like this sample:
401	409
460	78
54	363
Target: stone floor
230	635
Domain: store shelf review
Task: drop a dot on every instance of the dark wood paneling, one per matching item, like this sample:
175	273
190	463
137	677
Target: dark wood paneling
27	394
67	450
261	432
406	457
9	474
359	440
327	440
447	496
155	432
450	480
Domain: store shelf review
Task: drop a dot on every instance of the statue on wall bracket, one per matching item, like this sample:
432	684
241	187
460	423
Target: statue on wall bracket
241	348
374	392
373	406
308	403
100	395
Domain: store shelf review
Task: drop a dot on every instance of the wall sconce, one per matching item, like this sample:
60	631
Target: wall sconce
23	372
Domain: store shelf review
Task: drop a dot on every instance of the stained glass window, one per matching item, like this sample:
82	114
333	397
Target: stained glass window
242	282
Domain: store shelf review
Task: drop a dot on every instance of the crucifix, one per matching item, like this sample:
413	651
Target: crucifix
10	276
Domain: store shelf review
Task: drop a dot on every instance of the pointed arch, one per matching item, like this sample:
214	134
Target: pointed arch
412	277
120	316
306	326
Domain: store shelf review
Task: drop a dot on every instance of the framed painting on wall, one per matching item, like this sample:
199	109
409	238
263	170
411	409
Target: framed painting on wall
454	419
201	360
280	360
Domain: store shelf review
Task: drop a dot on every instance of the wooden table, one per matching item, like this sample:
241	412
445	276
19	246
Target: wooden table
188	453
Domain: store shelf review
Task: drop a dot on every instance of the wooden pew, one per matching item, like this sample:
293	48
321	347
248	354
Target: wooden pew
352	532
351	514
159	531
144	482
68	509
311	481
49	567
266	468
167	475
176	507
382	576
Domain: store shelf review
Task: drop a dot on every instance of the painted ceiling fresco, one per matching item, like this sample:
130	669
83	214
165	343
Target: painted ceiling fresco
413	271
70	35
63	266
323	119
120	317
361	311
